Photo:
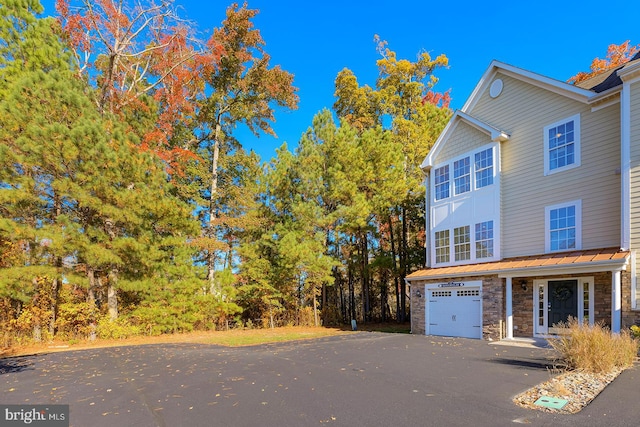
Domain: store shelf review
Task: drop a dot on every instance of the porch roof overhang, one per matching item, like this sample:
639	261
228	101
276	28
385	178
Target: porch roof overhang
574	262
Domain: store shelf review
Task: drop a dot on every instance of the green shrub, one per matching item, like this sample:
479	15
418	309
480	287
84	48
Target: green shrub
75	320
116	329
635	331
594	348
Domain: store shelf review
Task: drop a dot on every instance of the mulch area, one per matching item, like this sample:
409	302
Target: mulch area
578	388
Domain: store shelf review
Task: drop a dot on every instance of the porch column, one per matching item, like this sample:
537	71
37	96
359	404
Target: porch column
509	297
616	301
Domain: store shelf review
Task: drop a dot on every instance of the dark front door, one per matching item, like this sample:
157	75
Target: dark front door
563	301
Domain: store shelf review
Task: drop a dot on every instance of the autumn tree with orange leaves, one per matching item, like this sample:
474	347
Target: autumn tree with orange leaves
243	88
142	59
404	96
617	54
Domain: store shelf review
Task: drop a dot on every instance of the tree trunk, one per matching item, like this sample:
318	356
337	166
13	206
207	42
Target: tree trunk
383	297
211	258
315	308
396	279
366	301
112	294
91	292
352	293
91	299
403	266
55	287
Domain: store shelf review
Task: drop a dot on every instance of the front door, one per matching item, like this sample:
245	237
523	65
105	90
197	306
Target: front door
563	302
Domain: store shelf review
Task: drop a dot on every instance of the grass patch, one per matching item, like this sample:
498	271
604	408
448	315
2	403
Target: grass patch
594	348
265	336
231	338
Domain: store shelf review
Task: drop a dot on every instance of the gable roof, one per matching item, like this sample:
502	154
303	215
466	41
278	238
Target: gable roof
556	86
576	92
607	79
494	133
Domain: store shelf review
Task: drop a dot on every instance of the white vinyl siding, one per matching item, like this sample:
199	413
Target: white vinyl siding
524	111
464	138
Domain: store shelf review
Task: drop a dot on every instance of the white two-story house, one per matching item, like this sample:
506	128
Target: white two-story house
533	208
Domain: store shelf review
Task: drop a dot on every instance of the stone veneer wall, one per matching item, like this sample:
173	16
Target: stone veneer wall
522	307
418	308
493	307
523	302
493	303
523	315
629	317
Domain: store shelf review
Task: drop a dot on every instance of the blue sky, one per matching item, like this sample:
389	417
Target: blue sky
315	40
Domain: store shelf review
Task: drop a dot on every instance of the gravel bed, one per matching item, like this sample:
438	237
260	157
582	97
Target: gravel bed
578	388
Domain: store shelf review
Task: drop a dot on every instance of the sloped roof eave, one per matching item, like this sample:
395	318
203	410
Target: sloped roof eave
607	259
539	80
495	134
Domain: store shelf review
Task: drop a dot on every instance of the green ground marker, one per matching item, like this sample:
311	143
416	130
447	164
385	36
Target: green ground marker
551	402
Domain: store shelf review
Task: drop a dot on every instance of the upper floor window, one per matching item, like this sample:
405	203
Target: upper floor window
562	145
471	172
484	168
484	239
465	243
442	246
564	226
462	243
462	175
442	182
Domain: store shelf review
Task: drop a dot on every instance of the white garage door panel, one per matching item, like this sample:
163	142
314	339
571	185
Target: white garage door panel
455	313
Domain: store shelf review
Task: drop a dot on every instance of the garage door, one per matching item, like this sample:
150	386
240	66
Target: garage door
454	312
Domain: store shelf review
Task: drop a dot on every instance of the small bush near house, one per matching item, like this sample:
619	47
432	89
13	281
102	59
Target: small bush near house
594	348
635	331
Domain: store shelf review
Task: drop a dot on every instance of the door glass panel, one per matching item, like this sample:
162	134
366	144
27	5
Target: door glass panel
585	303
540	305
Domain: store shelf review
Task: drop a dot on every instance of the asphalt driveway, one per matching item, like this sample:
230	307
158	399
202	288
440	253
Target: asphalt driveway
363	379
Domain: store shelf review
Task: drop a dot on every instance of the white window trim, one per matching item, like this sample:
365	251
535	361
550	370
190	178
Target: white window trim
576	142
472	171
547	225
453	167
472	242
435	248
493	168
435	188
474	249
